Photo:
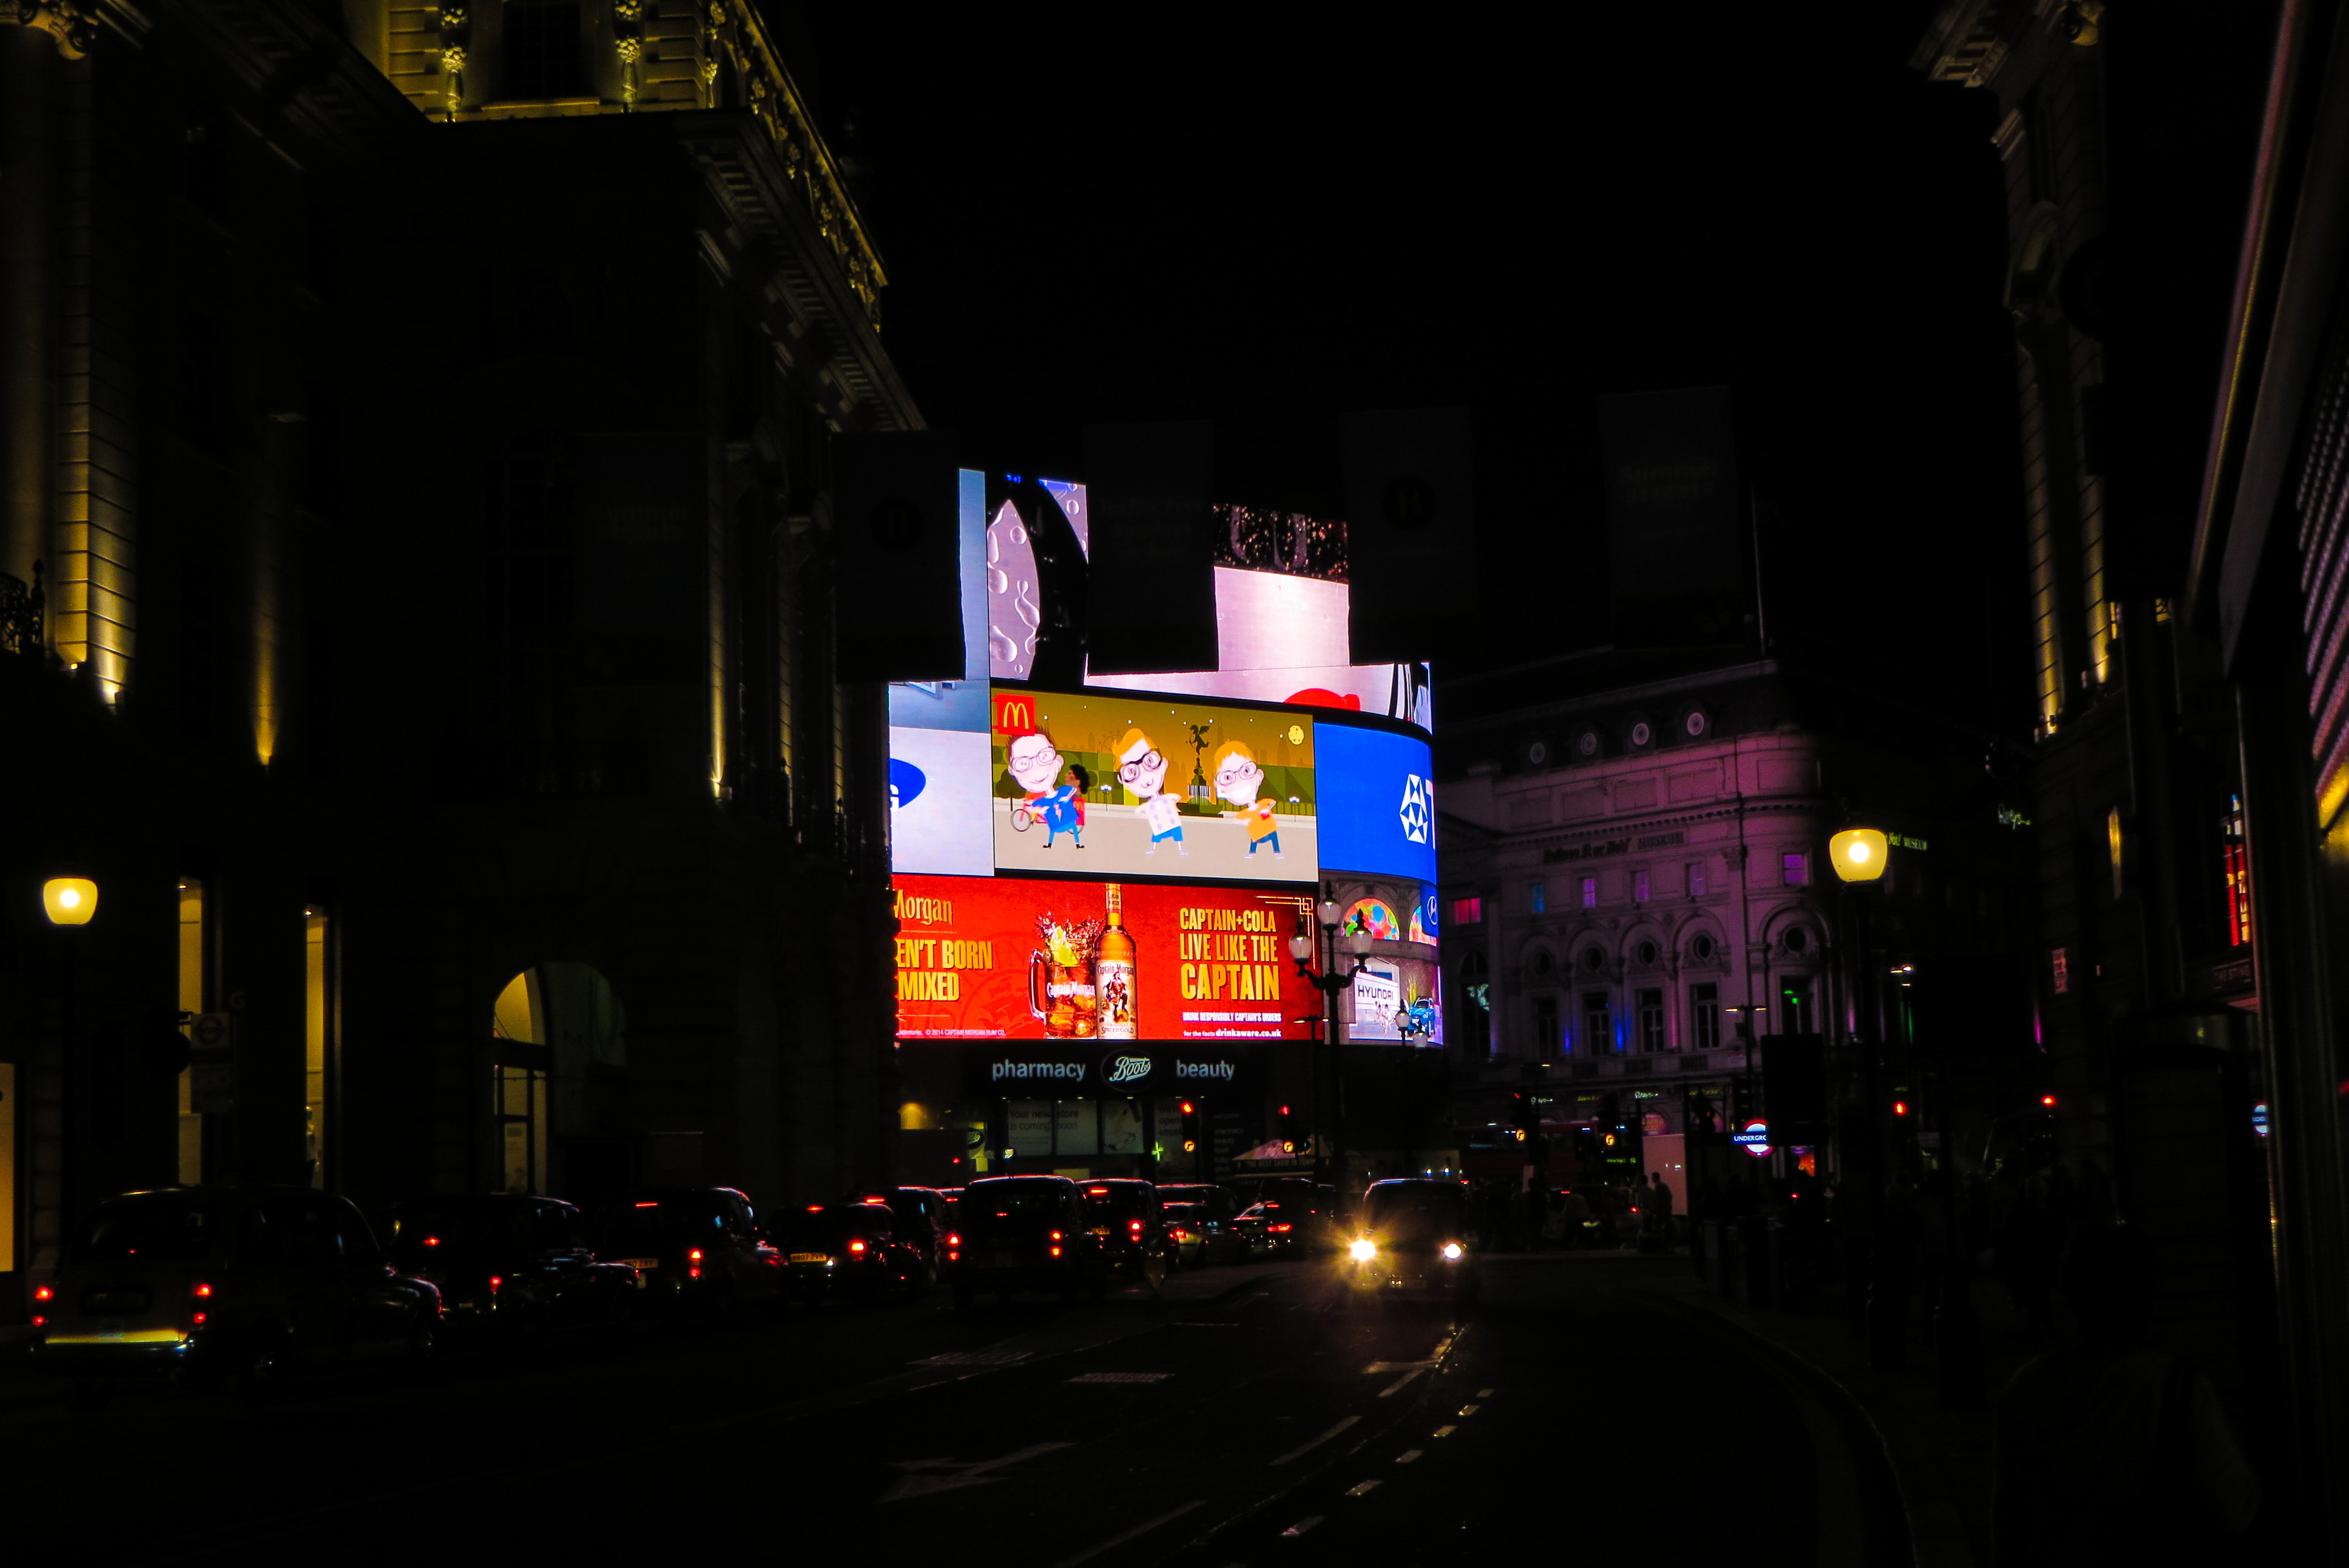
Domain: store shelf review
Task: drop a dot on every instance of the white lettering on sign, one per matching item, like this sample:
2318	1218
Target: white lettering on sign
1071	1071
1128	1069
1224	1070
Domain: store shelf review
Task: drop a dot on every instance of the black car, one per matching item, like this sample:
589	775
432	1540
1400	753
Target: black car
923	1221
1297	1214
1125	1215
514	1265
696	1247
251	1281
1023	1233
848	1250
1414	1237
1205	1214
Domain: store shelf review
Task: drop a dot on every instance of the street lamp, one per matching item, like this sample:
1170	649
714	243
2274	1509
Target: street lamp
69	900
1329	982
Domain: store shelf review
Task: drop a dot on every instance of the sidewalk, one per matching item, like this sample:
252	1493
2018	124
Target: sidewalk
1942	1458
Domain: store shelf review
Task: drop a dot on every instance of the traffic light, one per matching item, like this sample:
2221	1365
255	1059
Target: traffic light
1190	1127
1286	1126
1525	1114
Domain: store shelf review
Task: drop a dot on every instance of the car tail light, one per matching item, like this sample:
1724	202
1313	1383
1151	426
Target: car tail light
856	1246
953	1239
496	1280
1136	1225
1056	1235
1282	1226
40	1321
44	1293
1056	1251
203	1290
198	1319
693	1256
654	1204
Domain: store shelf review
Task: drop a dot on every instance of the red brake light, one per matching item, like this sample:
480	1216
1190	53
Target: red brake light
853	1246
1056	1251
203	1290
1056	1235
654	1204
815	1208
39	1321
953	1239
200	1317
693	1256
432	1240
1097	1192
496	1280
43	1293
1136	1225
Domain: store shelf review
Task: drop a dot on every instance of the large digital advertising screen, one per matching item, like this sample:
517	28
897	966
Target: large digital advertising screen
1113	784
938	783
1377	802
1029	958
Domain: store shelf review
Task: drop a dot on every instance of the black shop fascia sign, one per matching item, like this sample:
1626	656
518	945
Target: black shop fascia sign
1114	1070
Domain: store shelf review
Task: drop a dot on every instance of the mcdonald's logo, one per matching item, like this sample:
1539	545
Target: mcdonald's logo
1015	713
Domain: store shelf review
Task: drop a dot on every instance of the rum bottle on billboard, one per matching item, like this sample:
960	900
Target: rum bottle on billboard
1114	973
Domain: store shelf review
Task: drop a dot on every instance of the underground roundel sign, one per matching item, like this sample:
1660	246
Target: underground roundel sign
1754	1138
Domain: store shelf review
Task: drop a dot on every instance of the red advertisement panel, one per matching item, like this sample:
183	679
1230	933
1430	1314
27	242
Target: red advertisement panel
984	958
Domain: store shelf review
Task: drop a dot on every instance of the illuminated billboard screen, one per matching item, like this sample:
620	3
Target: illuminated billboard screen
1377	801
1393	995
1111	784
938	783
1025	959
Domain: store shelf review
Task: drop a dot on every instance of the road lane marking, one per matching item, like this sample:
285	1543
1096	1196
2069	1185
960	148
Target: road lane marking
1300	1453
973	1358
1445	1431
1123	1378
1377	1366
1465	1410
1407	1455
1179	1323
952	1475
1484	1393
1302	1525
1397	1385
1144	1528
1364	1489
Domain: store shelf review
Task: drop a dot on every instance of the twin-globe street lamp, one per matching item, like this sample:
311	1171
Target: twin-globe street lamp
1329	982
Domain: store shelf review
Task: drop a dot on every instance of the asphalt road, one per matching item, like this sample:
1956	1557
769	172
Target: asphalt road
1253	1414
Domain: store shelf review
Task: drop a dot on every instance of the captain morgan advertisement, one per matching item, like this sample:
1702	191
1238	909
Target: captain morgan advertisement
998	958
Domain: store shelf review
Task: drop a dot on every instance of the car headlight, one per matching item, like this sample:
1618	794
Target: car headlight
1451	1251
1364	1250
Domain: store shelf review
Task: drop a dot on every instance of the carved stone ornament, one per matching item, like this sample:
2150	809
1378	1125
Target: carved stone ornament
452	58
631	50
628	10
72	23
453	18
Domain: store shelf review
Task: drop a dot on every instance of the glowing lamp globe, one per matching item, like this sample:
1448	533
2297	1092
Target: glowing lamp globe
1859	854
69	900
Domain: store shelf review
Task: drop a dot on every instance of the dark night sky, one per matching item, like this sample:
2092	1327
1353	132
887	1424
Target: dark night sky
1271	222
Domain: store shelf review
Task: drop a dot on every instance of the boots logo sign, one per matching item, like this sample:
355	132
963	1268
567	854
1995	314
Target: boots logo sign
1415	808
1125	1069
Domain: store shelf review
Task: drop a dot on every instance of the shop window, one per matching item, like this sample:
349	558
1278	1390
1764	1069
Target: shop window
563	1019
1467	912
1797	870
317	1023
1590	892
2239	876
1704	1016
1476	1003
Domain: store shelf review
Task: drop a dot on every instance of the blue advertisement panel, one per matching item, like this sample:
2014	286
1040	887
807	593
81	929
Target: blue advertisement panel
1378	802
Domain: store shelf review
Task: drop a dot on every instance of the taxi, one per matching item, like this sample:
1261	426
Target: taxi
1414	1237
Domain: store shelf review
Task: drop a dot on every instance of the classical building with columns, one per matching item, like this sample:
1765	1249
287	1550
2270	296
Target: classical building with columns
417	607
1637	883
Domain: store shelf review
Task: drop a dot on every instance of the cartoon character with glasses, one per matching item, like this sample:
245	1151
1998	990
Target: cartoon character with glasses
1034	766
1239	780
1141	768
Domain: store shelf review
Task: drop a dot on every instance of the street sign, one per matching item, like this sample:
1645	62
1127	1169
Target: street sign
1754	1138
212	1088
211	1034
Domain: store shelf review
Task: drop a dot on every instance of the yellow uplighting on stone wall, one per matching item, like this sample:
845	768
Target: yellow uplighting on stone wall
1859	854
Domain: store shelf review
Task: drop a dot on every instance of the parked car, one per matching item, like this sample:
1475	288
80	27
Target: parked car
696	1248
511	1265
922	1222
1415	1237
256	1283
1023	1233
849	1250
1125	1215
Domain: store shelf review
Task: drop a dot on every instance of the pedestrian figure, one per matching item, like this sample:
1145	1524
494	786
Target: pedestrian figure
2110	1451
1660	1206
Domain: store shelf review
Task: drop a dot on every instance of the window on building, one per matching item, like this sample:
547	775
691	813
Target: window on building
1597	1023
1649	1005
1545	1038
540	57
1640	887
1696	879
1795	1015
1797	870
1704	1016
318	1023
2239	876
1535	898
1475	1004
1467	912
192	1000
1590	892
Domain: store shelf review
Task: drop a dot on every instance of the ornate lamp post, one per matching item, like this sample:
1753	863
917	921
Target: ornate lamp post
69	902
1329	982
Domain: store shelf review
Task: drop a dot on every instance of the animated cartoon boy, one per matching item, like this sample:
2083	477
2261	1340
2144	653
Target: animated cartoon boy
1141	768
1034	765
1240	780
